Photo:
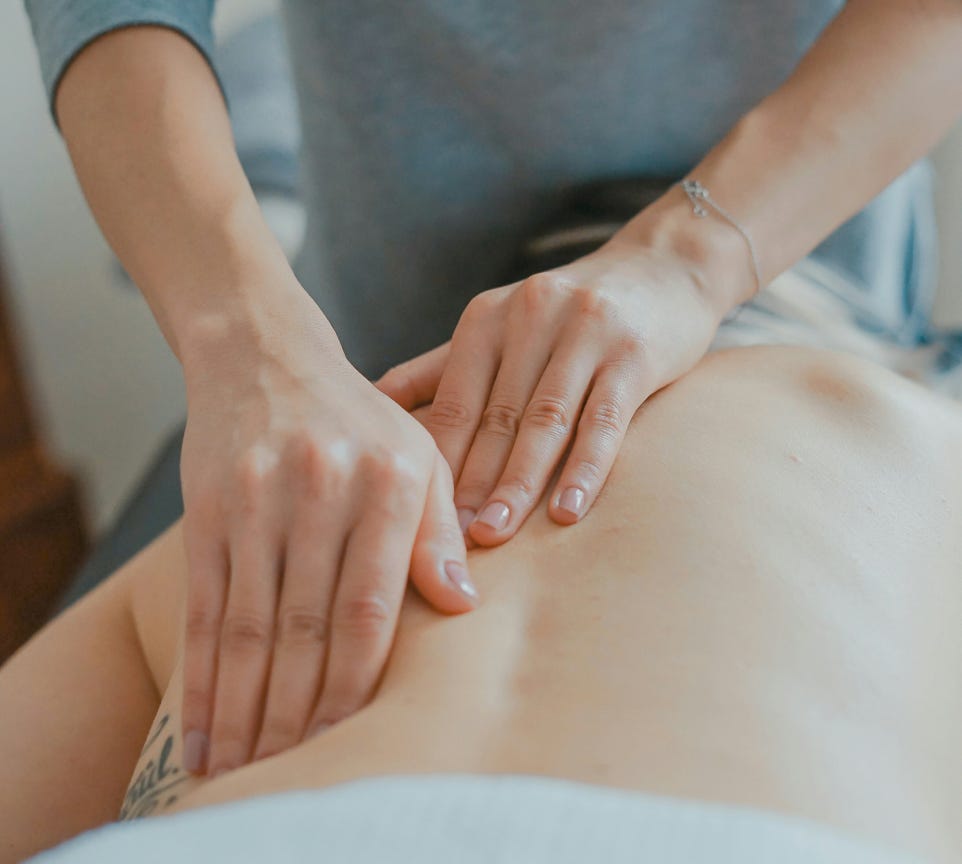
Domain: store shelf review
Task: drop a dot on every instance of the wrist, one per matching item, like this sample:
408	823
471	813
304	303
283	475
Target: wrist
715	252
255	324
215	271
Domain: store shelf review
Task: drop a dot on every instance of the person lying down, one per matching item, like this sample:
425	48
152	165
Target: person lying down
749	650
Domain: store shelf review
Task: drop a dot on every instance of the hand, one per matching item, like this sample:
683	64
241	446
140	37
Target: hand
563	358
309	495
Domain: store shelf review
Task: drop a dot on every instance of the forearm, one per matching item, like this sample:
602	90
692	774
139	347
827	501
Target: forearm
150	139
874	94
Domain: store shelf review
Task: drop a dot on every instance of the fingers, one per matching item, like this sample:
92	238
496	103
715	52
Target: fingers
546	428
414	383
528	422
207	562
612	403
463	390
532	331
302	632
368	597
438	563
246	640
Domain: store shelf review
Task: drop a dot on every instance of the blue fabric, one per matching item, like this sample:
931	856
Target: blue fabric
438	135
62	28
256	77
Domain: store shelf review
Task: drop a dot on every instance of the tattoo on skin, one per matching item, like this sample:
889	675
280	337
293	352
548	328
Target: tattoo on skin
155	784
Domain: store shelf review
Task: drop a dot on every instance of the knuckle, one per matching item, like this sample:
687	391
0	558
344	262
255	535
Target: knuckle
366	615
244	632
595	305
389	468
632	348
549	413
403	470
300	626
606	418
321	469
480	306
540	290
255	468
304	452
500	419
317	481
517	486
448	412
590	471
201	624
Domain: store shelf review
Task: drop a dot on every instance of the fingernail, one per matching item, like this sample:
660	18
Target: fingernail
494	515
572	500
318	729
458	574
465	517
195	751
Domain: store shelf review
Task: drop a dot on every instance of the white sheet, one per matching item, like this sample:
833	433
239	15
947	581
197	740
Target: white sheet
469	819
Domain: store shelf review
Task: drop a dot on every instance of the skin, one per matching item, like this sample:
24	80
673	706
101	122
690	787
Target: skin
279	584
761	610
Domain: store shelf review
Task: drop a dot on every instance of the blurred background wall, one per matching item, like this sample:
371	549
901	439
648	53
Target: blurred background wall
948	202
106	387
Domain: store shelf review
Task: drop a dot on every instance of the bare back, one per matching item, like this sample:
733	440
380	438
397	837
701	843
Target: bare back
762	609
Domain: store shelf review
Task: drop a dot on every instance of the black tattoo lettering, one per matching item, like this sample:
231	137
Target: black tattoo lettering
154	784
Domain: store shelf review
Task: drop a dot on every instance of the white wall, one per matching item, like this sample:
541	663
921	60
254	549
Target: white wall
107	388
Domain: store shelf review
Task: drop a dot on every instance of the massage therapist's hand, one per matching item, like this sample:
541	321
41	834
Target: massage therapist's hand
309	494
562	359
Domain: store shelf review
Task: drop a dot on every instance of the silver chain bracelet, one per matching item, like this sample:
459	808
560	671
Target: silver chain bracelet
699	196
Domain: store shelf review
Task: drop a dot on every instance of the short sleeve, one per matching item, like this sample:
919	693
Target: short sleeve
62	28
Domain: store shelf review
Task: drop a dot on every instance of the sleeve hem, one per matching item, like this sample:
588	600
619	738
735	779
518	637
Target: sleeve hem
62	29
77	49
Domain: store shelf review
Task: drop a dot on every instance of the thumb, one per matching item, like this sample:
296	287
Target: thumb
438	561
415	381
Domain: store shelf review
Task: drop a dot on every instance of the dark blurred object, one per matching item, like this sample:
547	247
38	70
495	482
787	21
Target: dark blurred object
588	217
43	536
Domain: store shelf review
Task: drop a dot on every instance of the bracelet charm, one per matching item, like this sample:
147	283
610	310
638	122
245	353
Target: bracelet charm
701	199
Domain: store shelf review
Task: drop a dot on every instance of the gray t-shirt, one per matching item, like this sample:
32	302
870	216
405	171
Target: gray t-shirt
438	134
